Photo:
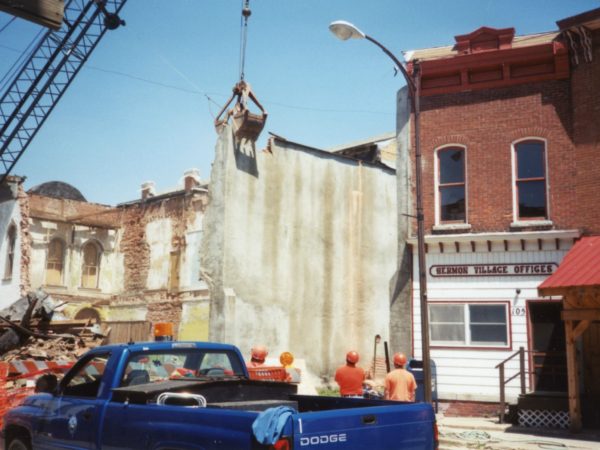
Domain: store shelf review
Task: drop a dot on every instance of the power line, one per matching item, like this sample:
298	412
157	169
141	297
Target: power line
208	95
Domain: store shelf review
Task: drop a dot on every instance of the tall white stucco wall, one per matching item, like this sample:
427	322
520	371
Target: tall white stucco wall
301	248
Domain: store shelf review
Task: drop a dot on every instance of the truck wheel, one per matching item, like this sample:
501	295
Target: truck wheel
18	444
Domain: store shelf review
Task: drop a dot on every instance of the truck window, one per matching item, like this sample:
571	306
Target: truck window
85	381
168	365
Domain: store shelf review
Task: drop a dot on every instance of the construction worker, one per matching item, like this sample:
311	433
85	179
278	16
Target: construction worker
400	384
350	377
258	354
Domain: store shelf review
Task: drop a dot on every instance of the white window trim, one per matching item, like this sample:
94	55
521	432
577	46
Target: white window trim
520	222
436	170
467	322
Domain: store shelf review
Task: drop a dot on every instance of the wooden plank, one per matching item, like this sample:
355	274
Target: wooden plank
580	328
581	314
48	13
574	402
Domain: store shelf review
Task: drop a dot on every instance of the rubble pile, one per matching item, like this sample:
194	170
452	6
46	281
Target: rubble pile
29	329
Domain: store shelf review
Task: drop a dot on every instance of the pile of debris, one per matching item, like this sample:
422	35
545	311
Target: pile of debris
28	331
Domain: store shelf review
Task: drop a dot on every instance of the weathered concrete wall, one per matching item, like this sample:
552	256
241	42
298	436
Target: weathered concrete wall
300	250
401	325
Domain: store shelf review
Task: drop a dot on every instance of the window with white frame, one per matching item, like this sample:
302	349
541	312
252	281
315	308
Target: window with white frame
530	179
451	185
469	324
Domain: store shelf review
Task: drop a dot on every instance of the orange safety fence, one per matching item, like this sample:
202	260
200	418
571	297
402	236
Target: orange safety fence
268	373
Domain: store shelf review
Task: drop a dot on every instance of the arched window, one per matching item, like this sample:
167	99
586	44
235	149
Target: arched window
55	262
530	180
91	265
11	241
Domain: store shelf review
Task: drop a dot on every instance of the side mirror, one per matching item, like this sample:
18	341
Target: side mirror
46	383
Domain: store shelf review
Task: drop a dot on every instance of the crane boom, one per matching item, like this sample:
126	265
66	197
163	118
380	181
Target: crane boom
48	72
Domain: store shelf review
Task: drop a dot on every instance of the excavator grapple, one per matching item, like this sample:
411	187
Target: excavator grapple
246	125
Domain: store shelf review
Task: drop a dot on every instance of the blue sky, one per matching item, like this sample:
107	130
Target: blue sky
138	110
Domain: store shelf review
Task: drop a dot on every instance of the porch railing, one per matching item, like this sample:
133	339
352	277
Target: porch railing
503	380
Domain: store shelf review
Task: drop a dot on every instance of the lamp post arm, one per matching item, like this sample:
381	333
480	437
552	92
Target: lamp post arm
409	80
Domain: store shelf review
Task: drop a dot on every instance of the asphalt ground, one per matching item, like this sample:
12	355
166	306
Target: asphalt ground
488	434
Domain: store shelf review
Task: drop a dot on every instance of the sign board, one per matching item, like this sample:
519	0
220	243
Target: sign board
493	270
48	13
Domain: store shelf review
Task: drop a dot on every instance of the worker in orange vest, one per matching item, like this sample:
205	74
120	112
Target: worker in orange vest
400	384
350	377
258	354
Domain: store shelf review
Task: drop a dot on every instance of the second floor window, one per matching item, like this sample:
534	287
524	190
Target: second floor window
54	262
451	185
530	180
91	266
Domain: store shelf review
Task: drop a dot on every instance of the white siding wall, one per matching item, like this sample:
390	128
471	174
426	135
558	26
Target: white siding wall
464	374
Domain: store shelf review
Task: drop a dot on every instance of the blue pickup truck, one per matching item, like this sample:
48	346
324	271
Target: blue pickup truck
197	395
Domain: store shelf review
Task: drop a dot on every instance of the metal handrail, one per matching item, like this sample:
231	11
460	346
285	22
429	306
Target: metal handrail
504	381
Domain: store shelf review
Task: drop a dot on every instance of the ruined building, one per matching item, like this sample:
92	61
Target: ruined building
128	266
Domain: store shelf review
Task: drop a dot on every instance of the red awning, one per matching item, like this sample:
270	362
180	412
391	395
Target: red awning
579	268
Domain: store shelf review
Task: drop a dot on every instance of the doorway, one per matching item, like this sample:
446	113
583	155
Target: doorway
547	348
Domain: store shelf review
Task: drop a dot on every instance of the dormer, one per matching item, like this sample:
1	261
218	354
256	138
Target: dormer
484	39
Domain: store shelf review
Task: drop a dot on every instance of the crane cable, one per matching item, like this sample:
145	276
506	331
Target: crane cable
244	35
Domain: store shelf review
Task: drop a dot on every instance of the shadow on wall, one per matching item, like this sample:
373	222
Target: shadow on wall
245	156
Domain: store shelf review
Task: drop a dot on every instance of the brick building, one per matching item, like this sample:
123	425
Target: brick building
510	141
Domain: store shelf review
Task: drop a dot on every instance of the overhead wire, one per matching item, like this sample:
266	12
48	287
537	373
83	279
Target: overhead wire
19	62
208	95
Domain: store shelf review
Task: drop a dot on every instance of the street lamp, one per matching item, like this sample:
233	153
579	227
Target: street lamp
344	31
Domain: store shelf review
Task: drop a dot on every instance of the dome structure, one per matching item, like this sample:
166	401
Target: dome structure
58	189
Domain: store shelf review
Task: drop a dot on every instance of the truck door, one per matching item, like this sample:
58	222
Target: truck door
71	419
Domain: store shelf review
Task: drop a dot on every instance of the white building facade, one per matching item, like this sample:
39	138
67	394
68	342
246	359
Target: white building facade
482	291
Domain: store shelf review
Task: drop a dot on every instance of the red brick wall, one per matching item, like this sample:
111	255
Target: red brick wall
470	409
586	121
163	305
25	282
566	113
487	123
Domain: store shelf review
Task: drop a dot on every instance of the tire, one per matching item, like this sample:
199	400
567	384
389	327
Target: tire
18	444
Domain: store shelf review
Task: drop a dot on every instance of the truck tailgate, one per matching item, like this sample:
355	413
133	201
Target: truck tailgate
403	425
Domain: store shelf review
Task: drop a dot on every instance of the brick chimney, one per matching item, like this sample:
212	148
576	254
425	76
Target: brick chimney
148	190
191	179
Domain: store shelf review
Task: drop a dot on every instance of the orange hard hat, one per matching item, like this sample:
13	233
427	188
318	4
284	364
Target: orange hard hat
259	352
399	359
352	357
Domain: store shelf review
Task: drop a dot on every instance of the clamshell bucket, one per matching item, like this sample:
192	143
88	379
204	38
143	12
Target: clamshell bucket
246	124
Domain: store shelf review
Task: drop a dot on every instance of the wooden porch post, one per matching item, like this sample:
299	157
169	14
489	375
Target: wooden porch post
573	378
